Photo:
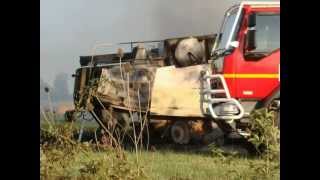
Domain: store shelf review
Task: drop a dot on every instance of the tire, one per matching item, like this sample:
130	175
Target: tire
180	132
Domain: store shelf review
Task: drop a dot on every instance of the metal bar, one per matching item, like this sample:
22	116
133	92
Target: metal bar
216	100
224	84
140	42
234	26
208	99
261	3
81	130
214	91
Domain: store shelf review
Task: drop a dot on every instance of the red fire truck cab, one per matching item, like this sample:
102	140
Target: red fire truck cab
246	59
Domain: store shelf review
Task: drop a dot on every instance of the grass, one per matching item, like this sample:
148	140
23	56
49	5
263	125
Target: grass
173	165
83	161
168	165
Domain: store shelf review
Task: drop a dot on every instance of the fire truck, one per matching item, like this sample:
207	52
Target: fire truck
190	89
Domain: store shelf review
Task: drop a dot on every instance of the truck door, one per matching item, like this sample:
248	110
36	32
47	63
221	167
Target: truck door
257	70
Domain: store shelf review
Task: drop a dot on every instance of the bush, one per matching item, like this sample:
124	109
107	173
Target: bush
265	135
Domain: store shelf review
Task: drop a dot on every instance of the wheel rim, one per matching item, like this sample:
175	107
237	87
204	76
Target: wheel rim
180	133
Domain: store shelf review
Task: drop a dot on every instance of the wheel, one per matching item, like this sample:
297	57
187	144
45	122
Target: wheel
180	132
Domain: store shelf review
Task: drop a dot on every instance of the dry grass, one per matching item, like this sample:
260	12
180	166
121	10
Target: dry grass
64	158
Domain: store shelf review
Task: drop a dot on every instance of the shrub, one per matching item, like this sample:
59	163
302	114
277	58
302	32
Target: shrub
265	136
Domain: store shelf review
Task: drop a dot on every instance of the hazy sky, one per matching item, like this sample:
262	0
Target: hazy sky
69	29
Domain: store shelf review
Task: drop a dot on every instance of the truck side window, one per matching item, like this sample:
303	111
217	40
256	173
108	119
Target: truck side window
267	36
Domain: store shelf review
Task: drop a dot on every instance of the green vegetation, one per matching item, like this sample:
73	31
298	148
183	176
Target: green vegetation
62	157
153	165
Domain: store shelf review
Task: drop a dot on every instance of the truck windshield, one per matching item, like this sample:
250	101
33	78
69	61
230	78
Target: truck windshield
226	30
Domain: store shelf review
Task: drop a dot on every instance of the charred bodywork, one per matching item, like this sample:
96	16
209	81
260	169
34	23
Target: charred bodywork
138	70
189	87
161	82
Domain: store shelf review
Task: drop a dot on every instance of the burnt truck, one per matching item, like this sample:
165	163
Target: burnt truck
198	88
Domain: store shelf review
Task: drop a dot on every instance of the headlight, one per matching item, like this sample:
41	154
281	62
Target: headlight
226	109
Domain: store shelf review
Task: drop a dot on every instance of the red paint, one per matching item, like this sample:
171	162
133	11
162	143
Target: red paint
236	64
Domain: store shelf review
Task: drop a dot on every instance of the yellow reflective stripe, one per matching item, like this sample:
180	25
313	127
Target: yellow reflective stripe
251	75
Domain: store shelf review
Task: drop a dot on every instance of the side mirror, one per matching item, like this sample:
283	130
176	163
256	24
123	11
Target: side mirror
252	20
251	34
234	44
251	39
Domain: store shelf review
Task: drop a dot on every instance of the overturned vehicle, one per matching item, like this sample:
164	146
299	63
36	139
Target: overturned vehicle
189	89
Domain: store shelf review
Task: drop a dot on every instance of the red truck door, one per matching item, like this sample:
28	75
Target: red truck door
256	72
